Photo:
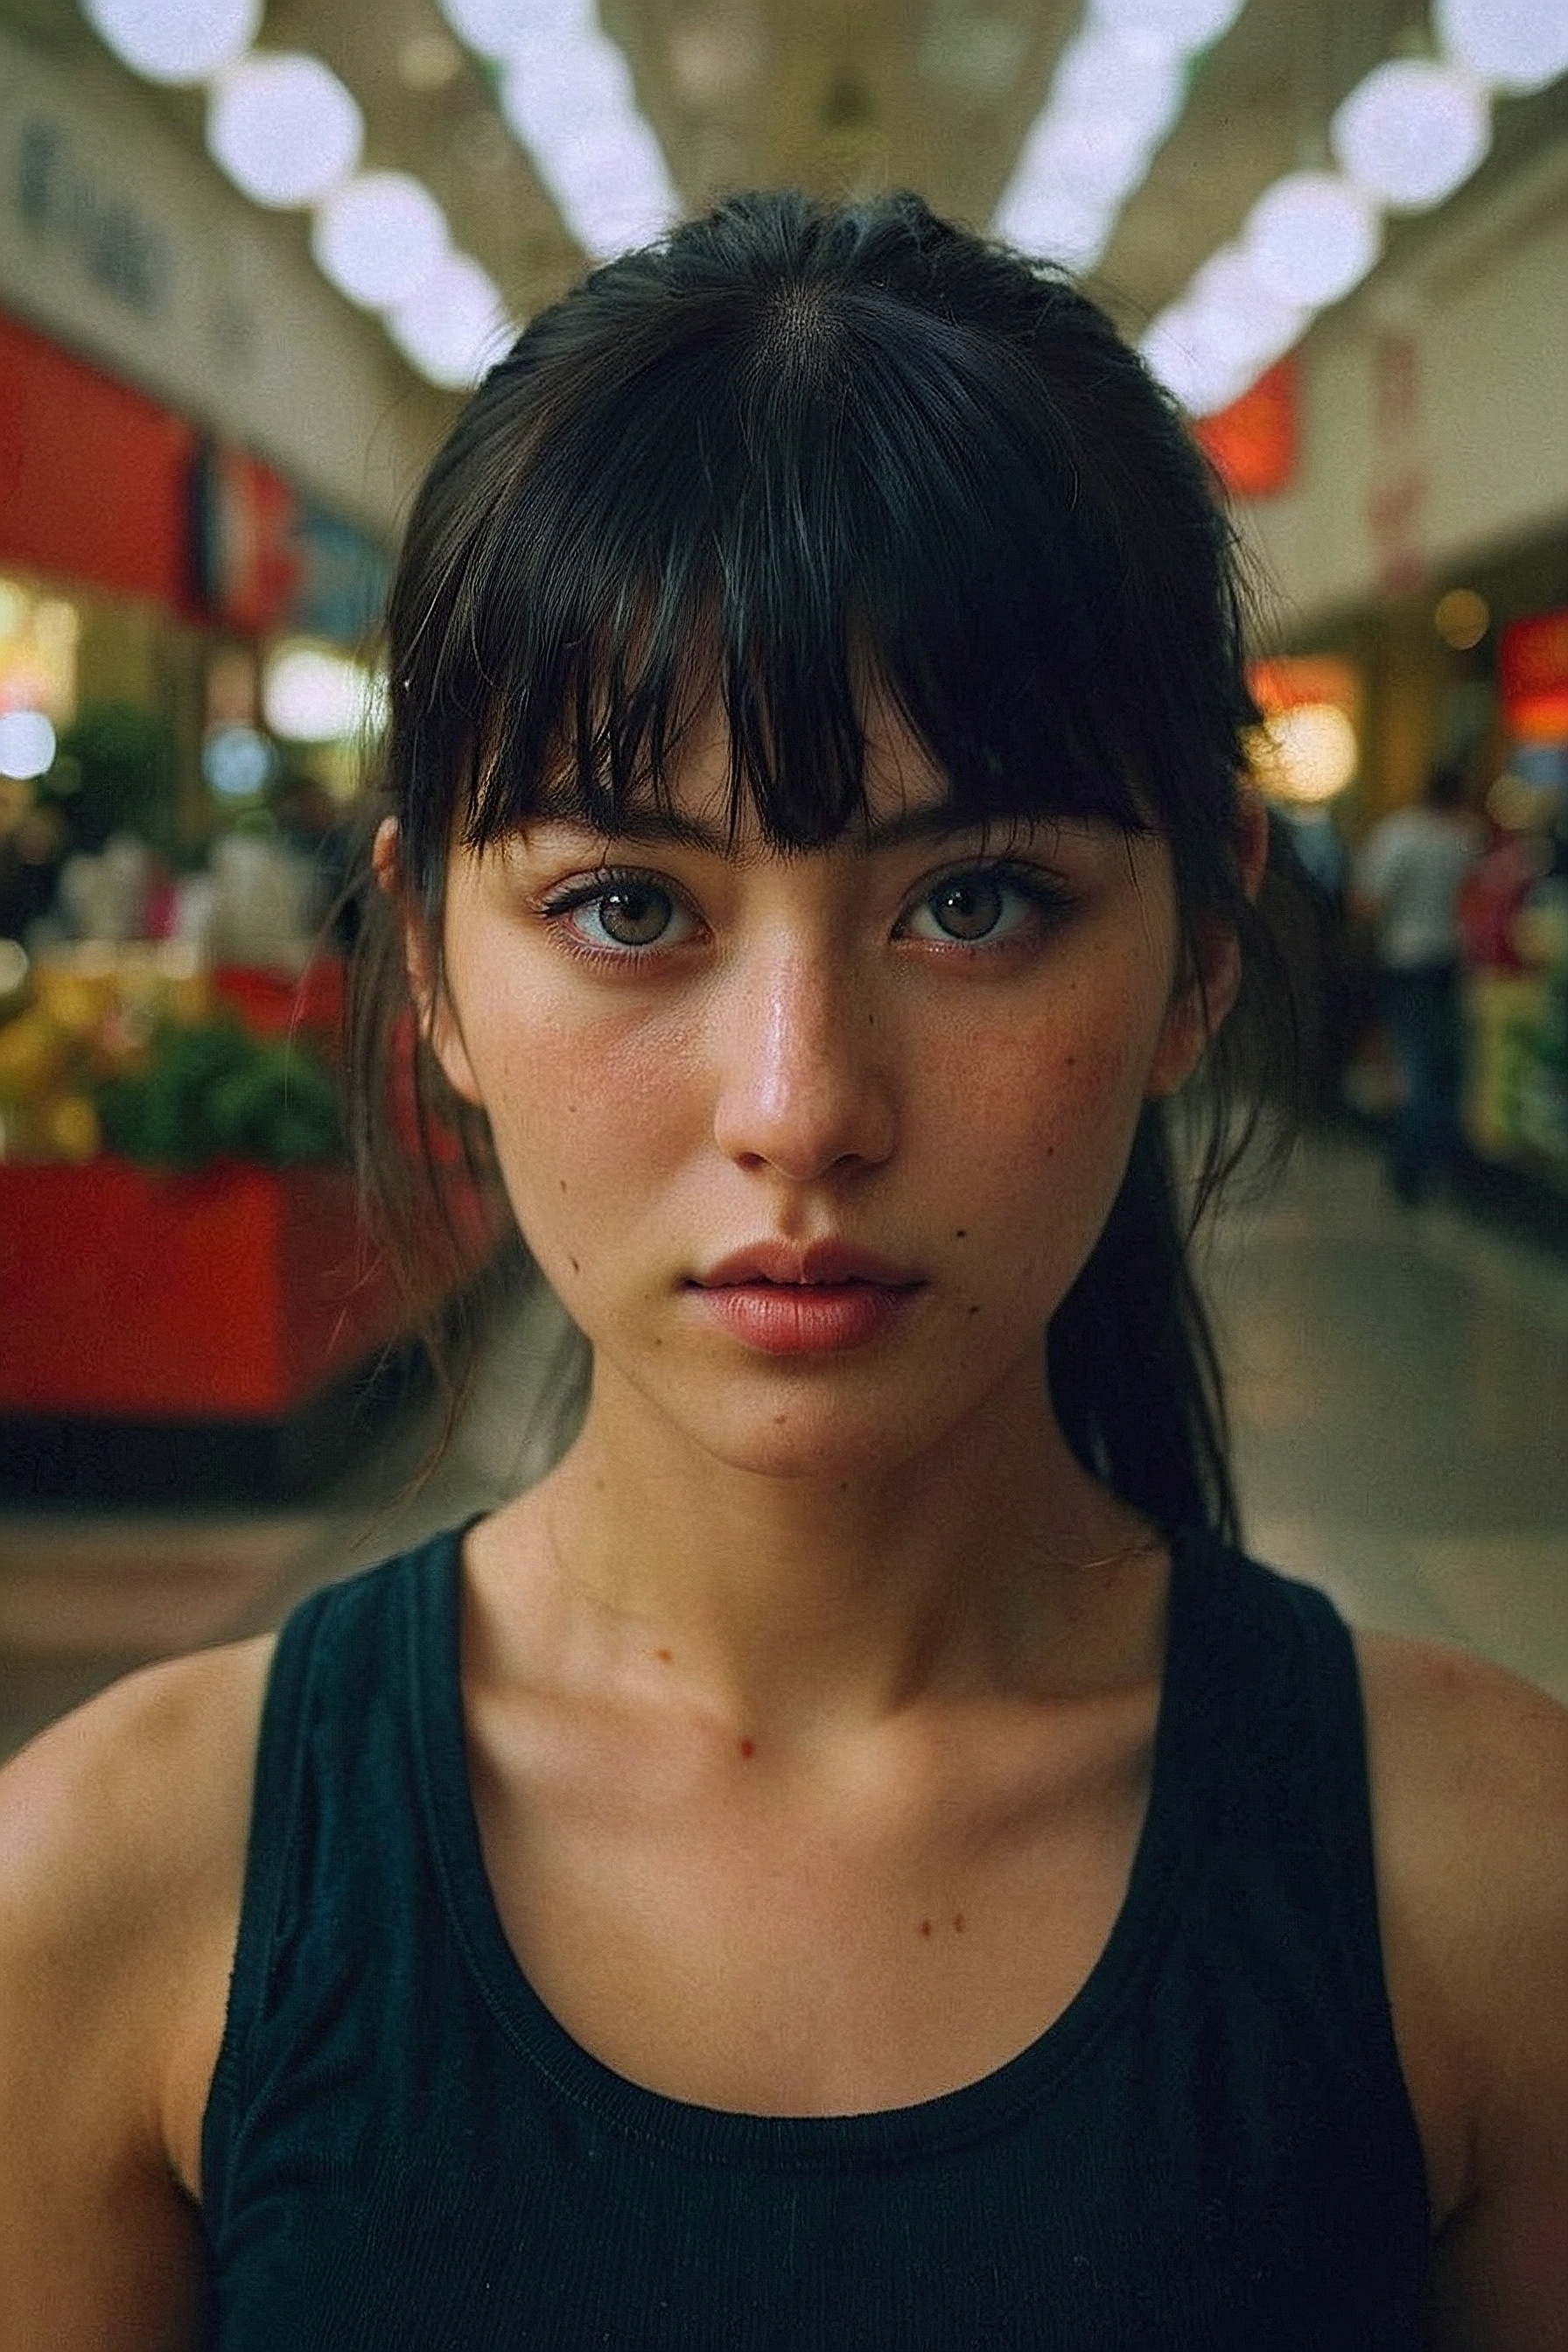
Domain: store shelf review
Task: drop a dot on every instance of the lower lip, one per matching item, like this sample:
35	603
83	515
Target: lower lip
806	1318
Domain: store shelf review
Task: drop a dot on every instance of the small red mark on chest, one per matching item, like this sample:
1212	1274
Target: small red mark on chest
748	1746
925	1926
665	1657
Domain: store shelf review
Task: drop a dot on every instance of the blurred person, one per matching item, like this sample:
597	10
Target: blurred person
1406	882
855	1855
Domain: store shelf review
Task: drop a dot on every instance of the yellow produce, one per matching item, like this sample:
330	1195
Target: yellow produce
32	1050
69	1128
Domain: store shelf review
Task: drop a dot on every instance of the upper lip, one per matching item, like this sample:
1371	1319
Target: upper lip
821	1262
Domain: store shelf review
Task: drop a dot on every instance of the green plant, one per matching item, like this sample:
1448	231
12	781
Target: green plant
215	1092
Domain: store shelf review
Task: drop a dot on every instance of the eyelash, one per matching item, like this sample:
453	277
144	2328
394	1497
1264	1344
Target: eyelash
1050	900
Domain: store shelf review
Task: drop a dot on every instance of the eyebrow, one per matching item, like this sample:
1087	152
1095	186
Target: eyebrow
669	826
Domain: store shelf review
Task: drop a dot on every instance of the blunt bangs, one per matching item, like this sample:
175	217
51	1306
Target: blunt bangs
808	489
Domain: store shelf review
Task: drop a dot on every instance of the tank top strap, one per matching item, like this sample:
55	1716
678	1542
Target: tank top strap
1290	1801
338	1741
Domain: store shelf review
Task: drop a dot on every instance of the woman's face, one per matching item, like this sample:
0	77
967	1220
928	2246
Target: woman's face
812	1146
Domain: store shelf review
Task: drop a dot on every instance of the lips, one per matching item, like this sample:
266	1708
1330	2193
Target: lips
804	1298
823	1265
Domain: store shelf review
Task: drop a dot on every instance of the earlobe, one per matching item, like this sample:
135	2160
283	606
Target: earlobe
1207	995
432	1006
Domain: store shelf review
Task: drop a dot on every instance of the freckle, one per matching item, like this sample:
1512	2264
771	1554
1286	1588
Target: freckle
780	1419
1072	1061
748	1747
975	1310
665	1657
564	1183
958	1923
925	1926
962	1234
573	1264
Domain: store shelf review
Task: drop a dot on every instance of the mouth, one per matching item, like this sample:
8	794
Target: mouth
810	1265
786	1298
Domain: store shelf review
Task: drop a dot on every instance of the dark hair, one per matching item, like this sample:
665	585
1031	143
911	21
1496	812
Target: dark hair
791	454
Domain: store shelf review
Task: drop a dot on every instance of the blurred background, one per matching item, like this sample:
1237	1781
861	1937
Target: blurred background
250	259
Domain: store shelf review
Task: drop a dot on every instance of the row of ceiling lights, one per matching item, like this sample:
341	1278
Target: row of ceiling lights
1407	135
1114	100
288	135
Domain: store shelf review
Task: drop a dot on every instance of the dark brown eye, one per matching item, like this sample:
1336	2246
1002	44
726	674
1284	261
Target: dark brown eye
967	907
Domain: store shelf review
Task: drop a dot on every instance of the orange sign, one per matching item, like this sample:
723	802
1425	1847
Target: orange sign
1532	674
1252	444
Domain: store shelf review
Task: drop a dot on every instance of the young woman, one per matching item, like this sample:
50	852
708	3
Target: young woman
852	1858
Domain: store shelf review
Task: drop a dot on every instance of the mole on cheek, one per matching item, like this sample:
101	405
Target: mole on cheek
748	1747
962	1234
925	1926
573	1264
665	1657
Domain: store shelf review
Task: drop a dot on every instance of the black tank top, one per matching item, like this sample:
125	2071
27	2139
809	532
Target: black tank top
1212	2147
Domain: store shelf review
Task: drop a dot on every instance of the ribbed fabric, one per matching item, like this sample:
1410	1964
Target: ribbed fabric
1212	2147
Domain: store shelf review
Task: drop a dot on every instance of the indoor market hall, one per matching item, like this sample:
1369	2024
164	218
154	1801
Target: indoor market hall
784	885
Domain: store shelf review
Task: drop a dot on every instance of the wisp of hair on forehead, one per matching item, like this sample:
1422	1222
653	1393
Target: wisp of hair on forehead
780	467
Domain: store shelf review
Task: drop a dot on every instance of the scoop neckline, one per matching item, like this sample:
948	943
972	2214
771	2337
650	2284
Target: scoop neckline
973	2110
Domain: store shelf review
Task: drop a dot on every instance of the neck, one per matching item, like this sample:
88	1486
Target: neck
993	1563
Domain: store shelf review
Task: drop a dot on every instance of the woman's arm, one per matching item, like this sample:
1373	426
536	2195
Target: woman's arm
1469	1777
122	1835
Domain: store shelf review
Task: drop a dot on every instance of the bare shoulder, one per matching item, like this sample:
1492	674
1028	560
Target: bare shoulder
123	1839
1469	1793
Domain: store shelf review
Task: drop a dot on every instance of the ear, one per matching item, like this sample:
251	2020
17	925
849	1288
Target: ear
1205	995
432	1007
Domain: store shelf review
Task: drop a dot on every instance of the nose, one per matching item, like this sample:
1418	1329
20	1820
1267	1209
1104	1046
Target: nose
805	1085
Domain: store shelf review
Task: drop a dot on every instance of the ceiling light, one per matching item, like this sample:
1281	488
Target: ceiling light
283	128
175	41
453	326
1311	236
1202	379
571	103
1236	317
1516	45
1099	160
495	27
1411	132
1185	24
1102	75
378	237
1054	223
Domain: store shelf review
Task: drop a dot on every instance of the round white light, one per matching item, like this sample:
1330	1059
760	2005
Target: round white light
1201	379
1308	754
1054	222
283	128
378	237
309	695
27	744
495	27
550	89
175	41
452	327
1103	76
1185	24
1311	236
1099	158
1517	45
1411	132
1236	317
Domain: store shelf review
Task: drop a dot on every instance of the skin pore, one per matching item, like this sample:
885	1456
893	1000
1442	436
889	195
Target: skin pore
827	1653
